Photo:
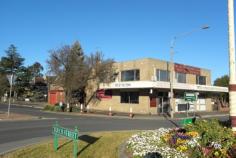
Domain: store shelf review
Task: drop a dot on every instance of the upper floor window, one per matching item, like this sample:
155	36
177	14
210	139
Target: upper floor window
130	75
162	75
201	80
180	77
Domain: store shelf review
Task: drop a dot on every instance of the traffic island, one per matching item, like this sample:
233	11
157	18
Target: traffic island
99	144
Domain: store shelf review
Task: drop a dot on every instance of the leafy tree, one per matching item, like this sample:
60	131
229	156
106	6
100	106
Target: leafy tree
223	81
74	70
12	61
27	84
67	63
4	84
36	69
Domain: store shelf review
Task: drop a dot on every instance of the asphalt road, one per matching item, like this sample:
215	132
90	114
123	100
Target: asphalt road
14	134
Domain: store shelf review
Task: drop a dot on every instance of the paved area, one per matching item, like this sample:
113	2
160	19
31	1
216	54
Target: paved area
14	134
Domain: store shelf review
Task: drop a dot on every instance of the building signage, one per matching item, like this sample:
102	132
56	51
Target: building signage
190	96
104	94
187	69
70	134
123	85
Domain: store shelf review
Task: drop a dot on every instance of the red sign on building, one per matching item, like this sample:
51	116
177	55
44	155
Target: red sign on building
187	69
104	94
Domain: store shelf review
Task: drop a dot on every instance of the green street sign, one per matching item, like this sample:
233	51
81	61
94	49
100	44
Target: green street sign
57	131
190	96
65	132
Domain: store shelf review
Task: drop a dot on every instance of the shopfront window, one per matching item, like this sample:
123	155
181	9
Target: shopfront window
162	75
130	75
180	77
129	97
201	80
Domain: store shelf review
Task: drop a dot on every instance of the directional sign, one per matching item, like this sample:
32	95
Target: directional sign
190	96
65	132
57	131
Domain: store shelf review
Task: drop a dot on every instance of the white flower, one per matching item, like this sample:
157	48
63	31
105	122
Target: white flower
148	142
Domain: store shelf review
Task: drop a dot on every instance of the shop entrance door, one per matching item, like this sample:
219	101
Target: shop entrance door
163	105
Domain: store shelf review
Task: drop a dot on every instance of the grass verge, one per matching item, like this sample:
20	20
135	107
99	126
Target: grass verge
94	145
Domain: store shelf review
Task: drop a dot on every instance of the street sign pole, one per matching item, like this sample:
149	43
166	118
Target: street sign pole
57	131
75	151
55	138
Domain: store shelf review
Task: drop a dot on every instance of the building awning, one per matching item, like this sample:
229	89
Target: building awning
162	85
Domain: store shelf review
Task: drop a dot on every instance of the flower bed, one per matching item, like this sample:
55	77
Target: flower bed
201	139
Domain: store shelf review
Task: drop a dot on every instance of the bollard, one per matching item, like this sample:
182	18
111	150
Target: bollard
81	108
87	108
68	107
131	112
110	113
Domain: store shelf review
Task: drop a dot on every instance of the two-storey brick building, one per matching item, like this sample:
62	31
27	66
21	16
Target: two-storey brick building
144	85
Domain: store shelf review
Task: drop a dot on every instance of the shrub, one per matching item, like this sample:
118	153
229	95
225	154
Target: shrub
215	139
62	107
57	109
48	107
75	109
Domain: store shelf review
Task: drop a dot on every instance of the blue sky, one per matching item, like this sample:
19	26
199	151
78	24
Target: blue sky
121	29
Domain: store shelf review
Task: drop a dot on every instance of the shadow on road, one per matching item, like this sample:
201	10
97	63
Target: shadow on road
88	139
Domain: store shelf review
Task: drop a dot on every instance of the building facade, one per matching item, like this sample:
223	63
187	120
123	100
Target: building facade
144	86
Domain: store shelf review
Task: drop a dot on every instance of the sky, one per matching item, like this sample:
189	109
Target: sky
122	29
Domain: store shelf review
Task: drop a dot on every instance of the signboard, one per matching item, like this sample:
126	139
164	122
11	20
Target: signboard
65	132
70	134
11	79
123	85
187	69
104	94
190	96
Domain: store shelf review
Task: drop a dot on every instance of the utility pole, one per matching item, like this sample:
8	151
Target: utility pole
232	82
172	65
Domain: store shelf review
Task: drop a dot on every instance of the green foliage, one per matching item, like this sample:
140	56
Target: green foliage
74	70
57	109
222	81
12	61
75	109
35	69
4	84
48	108
212	131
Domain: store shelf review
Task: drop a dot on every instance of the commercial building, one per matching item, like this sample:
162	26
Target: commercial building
144	86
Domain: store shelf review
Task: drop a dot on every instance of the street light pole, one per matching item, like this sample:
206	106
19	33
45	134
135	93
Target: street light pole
232	81
171	66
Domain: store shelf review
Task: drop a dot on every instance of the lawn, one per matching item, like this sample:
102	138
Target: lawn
94	145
